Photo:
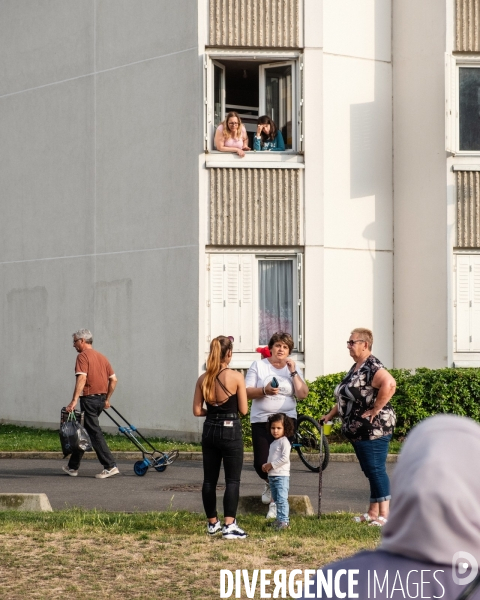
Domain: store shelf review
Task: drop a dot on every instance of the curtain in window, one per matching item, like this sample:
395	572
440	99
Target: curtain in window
275	297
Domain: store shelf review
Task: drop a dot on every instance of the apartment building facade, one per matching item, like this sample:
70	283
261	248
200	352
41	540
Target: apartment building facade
121	216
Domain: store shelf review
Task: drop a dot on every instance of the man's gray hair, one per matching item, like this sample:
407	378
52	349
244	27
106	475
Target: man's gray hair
83	334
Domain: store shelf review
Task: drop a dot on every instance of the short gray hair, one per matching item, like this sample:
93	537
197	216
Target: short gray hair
83	334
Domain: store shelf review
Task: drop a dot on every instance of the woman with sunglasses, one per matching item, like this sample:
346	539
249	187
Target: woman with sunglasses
220	395
231	135
368	419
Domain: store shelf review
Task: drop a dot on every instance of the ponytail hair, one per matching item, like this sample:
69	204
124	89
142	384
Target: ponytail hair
219	347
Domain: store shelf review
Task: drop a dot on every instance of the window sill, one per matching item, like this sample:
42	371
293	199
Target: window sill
254	160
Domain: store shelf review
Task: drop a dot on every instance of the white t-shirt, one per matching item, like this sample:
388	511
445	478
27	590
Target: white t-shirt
279	457
261	374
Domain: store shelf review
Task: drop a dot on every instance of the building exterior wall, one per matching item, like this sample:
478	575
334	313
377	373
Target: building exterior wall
358	205
98	102
421	260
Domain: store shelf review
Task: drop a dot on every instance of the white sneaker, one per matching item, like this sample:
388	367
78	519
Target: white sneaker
213	528
70	472
272	511
233	532
266	494
106	473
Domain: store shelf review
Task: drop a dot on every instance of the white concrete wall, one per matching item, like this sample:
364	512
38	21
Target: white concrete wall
101	132
358	211
420	183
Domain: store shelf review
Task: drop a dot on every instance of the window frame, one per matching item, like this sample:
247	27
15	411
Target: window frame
297	259
453	64
212	56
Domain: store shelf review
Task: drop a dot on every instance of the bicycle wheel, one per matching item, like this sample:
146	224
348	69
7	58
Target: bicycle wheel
307	444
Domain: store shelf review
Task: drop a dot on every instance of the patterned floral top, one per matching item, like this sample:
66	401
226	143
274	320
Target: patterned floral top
355	395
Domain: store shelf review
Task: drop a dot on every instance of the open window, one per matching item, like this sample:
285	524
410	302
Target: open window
253	87
251	297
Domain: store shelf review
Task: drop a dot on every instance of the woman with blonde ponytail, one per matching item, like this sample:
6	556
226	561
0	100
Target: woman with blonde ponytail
221	397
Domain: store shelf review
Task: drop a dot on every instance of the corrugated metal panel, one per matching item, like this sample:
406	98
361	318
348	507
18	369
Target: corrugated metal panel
255	207
256	23
468	209
467	24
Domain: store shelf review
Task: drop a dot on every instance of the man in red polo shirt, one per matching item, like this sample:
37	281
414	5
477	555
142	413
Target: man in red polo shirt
95	384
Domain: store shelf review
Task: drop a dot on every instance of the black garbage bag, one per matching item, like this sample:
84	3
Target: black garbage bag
73	436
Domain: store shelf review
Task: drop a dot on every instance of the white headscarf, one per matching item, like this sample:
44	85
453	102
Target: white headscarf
436	492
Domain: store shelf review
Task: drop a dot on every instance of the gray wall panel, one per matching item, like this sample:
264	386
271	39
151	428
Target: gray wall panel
131	31
148	141
47	171
42	304
43	42
145	322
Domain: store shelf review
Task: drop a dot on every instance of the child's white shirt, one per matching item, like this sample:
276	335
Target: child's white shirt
279	457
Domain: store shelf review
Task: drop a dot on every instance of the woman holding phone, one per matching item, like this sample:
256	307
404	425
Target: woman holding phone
274	384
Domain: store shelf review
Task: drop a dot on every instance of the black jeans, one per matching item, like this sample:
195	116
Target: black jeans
220	442
261	440
92	406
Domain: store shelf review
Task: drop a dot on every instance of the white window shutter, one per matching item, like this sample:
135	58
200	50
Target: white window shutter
463	303
246	341
232	296
475	303
450	104
217	296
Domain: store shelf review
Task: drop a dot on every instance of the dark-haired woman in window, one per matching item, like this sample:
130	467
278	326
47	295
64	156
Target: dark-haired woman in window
268	136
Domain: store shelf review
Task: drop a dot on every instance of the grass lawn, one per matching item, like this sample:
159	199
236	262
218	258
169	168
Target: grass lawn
23	439
79	554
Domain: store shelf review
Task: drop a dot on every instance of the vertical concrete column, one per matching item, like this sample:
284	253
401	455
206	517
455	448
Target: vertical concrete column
313	191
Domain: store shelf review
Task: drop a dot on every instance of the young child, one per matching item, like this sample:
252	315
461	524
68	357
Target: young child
278	466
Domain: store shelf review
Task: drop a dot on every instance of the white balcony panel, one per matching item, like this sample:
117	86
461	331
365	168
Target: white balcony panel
255	207
255	23
467	16
468	209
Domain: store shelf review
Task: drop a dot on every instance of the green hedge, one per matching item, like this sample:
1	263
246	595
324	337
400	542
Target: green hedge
419	394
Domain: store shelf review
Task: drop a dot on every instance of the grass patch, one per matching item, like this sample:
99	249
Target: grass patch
27	439
82	554
14	438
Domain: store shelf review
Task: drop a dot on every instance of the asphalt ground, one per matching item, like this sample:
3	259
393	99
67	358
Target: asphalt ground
345	488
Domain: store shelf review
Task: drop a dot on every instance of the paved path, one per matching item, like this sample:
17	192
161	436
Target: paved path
344	486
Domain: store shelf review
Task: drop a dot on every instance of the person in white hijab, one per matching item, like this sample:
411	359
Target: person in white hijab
431	544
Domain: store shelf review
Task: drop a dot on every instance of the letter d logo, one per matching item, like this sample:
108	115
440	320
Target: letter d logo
461	563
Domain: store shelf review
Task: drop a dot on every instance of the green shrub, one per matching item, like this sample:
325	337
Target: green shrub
419	394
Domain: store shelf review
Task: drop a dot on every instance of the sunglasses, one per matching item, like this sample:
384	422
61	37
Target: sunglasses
351	342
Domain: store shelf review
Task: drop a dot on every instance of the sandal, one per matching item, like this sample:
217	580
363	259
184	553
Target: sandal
365	518
378	522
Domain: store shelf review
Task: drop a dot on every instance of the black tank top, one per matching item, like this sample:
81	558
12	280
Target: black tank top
230	406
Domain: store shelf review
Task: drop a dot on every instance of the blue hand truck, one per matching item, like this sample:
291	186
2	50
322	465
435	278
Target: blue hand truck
154	458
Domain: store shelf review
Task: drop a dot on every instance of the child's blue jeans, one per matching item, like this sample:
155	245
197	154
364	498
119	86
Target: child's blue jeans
279	487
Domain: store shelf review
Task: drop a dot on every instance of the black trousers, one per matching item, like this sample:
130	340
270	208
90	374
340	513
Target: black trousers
92	406
221	443
261	440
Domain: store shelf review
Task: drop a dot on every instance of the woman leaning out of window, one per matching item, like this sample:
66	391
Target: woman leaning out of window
231	135
268	137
